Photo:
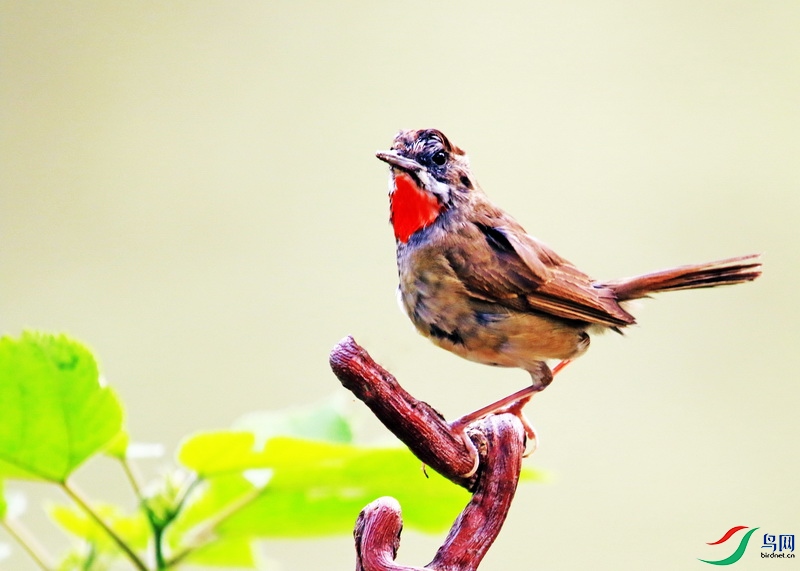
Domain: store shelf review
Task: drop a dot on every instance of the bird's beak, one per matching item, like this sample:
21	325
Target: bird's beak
398	161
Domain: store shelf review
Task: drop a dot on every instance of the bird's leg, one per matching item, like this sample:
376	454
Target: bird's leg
512	403
522	395
515	408
542	376
561	365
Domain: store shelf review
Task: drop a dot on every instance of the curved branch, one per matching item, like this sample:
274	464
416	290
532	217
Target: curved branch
497	440
501	442
377	537
417	424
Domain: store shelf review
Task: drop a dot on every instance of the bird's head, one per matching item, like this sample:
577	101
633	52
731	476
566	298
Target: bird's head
429	175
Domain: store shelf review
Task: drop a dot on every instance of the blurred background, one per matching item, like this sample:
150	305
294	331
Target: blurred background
190	188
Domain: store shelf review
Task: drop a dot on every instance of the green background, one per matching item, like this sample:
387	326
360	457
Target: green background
190	188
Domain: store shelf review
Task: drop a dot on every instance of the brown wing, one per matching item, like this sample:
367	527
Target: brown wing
517	271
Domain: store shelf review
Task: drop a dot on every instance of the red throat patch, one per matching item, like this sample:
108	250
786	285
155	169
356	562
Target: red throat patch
412	208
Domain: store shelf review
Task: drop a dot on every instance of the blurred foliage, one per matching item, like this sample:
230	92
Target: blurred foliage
55	413
295	473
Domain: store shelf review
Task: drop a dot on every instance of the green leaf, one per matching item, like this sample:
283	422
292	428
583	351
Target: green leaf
118	446
3	504
213	453
323	421
209	501
317	488
212	497
534	475
225	552
133	528
54	413
224	451
320	488
83	557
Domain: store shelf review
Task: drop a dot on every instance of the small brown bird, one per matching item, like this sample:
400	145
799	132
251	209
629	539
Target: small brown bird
475	283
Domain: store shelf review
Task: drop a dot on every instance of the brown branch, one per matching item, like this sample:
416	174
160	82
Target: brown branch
417	424
495	445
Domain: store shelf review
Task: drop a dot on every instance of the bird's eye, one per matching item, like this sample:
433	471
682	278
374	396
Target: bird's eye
439	158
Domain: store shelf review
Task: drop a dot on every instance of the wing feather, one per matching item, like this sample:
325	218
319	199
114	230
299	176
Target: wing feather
519	272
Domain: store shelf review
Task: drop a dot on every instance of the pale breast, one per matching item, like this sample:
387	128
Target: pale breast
443	310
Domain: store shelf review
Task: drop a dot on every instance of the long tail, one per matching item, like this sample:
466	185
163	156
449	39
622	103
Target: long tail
711	274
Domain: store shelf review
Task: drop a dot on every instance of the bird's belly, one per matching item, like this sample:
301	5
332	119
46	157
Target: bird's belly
488	333
515	340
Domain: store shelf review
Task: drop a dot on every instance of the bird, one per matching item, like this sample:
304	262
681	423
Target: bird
475	283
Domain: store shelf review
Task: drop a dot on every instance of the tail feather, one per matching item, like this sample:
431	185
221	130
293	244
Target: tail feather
711	274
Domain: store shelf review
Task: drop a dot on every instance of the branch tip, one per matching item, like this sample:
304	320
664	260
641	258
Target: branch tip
487	461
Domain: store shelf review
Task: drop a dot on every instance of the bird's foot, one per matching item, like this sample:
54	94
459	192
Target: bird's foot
521	396
513	404
560	366
515	408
